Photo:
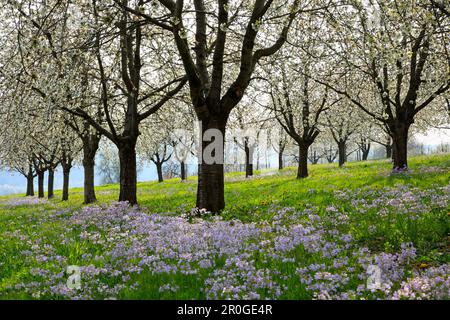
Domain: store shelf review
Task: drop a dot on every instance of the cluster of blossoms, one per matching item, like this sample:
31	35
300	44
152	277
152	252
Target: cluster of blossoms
431	169
25	201
196	213
296	254
398	170
434	282
400	199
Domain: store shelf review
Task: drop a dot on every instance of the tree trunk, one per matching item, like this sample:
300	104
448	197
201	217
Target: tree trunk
51	182
400	142
331	156
159	170
280	160
90	147
66	175
183	171
41	184
210	189
342	153
128	174
30	183
249	170
315	159
302	162
393	152
388	151
365	153
248	161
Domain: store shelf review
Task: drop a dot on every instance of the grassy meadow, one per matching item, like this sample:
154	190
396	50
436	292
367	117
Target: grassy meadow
278	238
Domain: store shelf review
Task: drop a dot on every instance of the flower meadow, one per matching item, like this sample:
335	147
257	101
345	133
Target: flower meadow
15	202
314	253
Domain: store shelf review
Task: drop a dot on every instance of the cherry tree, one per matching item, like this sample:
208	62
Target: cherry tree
279	140
126	99
380	135
342	126
46	49
314	156
219	44
70	148
247	128
97	53
19	160
183	135
363	135
24	140
156	145
298	104
399	54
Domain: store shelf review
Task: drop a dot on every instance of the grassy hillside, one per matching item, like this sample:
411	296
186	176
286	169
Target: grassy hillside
279	237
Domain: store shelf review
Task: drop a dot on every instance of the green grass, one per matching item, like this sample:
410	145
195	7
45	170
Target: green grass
249	200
